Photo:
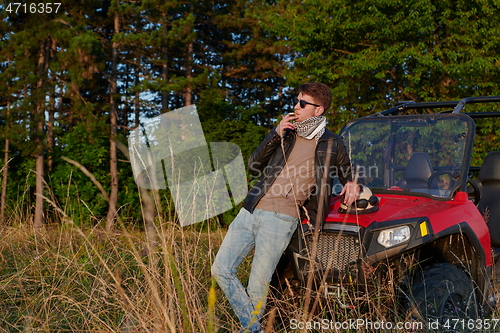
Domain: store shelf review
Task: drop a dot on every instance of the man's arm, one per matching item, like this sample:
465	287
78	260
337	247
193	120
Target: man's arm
350	192
351	189
260	157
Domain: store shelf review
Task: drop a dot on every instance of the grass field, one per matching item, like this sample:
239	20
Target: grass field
66	279
72	279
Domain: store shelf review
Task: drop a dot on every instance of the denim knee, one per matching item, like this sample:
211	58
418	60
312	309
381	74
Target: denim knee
216	271
219	271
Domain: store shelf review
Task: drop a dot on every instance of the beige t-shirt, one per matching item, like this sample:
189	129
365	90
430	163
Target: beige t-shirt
293	185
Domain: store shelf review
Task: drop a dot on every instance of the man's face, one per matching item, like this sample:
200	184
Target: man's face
309	110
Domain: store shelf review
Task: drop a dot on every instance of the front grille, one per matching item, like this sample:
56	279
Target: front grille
335	251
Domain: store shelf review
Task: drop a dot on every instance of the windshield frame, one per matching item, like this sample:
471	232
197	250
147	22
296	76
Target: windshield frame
414	120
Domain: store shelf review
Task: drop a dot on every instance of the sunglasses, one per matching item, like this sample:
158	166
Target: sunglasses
302	103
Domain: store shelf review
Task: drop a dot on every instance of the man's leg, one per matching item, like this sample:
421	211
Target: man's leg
237	244
273	236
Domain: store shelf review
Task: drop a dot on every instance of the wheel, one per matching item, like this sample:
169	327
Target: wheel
443	293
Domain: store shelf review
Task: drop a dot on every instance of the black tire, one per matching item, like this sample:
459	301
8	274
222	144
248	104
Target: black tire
441	293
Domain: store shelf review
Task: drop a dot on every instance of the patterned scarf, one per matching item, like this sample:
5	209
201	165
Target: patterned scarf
313	127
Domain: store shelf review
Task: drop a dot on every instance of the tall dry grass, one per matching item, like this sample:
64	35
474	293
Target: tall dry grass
71	279
68	278
82	279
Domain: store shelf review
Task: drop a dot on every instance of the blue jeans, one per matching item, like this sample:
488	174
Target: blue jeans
269	233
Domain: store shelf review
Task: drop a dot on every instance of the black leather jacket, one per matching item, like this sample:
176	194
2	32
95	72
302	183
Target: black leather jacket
267	161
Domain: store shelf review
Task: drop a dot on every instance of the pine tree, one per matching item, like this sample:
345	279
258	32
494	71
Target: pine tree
44	52
113	198
373	54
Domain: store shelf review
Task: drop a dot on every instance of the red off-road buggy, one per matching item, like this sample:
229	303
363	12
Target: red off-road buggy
424	223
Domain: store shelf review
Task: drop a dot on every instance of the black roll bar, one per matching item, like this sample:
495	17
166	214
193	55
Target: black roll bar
457	106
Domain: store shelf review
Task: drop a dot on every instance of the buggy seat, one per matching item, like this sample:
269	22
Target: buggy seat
489	207
417	172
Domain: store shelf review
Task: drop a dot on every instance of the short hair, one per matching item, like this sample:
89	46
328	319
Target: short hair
319	91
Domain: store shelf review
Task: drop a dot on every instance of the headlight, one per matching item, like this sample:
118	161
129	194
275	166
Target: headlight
394	236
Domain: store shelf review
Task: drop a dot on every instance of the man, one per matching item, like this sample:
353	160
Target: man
291	163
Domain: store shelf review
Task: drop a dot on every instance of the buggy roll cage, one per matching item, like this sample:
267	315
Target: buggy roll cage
457	107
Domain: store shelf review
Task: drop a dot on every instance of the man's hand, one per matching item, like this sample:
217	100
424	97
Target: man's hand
351	191
286	123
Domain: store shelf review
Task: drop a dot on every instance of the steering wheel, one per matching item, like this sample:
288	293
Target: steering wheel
473	192
436	174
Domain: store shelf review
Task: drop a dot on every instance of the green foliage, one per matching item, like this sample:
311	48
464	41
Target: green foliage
487	134
223	121
238	62
89	147
375	53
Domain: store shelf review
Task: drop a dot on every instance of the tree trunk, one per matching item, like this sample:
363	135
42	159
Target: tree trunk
39	218
113	198
137	100
164	73
5	175
40	149
189	68
50	133
50	123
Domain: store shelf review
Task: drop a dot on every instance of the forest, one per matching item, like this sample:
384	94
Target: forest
78	76
75	81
